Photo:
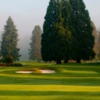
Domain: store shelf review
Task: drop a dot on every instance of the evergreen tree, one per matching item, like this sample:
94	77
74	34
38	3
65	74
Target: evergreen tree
99	46
96	44
9	42
66	14
67	32
61	45
35	45
82	31
55	35
48	36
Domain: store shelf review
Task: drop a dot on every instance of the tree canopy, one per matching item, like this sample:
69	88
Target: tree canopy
67	32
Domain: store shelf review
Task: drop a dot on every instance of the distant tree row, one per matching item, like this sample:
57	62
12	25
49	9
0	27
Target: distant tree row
67	32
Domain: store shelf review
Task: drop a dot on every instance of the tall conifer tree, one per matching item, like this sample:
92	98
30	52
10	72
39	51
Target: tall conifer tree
48	36
99	46
9	41
66	14
56	35
35	45
81	23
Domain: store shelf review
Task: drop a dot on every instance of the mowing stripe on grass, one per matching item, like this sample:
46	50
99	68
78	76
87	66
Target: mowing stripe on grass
56	97
62	88
46	77
45	93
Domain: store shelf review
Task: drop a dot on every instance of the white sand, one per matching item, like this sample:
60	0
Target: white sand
47	71
24	72
44	71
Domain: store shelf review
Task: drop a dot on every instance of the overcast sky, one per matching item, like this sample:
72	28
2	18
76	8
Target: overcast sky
28	13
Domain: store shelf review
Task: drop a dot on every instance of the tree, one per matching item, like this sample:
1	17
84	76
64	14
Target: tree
48	36
55	35
66	14
35	45
99	46
82	31
67	32
96	44
9	42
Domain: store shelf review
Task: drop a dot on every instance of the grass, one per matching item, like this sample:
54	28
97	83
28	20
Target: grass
44	88
56	97
70	82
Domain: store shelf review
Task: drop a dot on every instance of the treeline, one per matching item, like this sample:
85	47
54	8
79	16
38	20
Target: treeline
67	32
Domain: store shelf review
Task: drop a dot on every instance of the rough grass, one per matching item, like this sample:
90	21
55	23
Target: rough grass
70	82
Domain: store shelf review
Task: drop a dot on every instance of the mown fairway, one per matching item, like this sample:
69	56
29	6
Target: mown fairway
70	82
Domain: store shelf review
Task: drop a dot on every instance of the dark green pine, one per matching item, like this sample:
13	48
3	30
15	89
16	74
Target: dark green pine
81	23
48	36
66	14
56	34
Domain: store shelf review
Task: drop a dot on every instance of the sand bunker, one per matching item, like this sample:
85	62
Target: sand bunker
24	72
47	71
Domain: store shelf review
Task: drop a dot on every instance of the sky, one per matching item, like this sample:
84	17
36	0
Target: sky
26	14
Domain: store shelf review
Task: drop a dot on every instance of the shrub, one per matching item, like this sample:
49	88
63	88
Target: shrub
17	64
8	60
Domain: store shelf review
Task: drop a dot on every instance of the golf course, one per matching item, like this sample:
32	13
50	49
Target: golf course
67	82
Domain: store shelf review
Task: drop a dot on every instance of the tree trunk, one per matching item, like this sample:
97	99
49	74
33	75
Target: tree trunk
78	60
58	62
65	61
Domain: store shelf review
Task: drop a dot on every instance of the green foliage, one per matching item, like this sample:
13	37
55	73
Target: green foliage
8	60
35	45
17	64
67	32
99	46
56	34
9	41
82	31
48	32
